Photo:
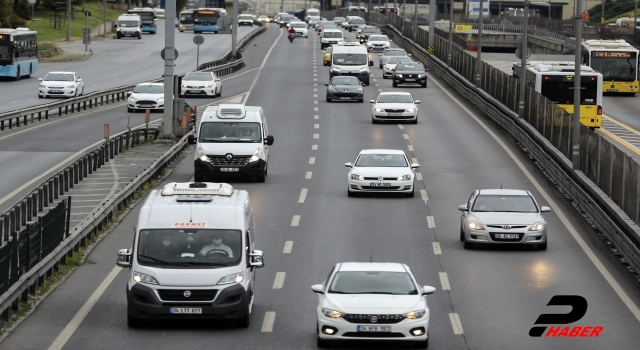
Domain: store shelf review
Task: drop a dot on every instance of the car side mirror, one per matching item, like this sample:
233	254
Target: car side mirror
128	93
427	69
257	259
390	40
463	207
269	140
39	79
380	54
417	102
370	63
79	80
545	209
326	84
415	166
124	258
408	54
372	101
191	139
428	290
317	288
348	165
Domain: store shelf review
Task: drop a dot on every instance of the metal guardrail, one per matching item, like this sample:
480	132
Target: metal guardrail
613	225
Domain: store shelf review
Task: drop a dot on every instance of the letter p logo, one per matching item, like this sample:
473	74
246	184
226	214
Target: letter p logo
578	303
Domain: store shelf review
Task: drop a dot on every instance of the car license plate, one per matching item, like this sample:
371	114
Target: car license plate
507	236
612	90
194	91
185	310
410	79
395	114
345	98
54	91
374	328
380	184
229	170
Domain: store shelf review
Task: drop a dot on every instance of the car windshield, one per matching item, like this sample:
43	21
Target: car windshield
502	203
198	77
189	248
286	18
230	132
357	21
263	16
128	24
373	282
149	89
329	26
395	99
396	60
58	77
381	160
389	53
298	25
245	17
410	66
332	35
345	81
378	38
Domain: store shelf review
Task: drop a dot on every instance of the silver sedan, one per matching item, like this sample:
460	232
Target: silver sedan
503	217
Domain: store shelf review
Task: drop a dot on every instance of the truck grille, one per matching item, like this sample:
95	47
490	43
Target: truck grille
236	160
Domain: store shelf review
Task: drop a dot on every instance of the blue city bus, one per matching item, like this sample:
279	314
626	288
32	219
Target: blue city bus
148	17
205	20
18	52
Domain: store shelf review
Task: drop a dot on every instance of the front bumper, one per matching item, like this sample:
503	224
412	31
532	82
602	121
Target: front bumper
206	168
402	116
410	80
345	96
395	186
387	73
349	331
66	92
376	47
128	34
184	91
145	105
230	303
488	237
245	23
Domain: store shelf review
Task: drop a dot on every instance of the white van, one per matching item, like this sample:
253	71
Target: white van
129	25
350	59
193	255
232	139
330	37
315	13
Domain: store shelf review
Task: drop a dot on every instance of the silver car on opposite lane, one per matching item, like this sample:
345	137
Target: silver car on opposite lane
500	216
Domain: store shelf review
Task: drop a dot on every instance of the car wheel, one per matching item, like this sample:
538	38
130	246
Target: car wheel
395	84
461	234
82	91
220	92
422	344
411	194
328	99
40	96
380	66
351	194
129	109
361	100
133	322
384	76
244	322
542	246
424	85
321	343
373	120
261	178
467	245
415	121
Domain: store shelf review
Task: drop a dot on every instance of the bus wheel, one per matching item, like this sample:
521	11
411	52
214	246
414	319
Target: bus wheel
18	74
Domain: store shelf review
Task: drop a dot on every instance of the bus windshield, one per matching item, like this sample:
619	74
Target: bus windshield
559	89
145	16
205	17
621	66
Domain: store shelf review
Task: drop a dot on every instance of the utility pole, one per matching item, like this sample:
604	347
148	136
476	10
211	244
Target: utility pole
432	22
68	20
575	159
523	61
479	56
104	17
450	52
234	29
415	21
169	60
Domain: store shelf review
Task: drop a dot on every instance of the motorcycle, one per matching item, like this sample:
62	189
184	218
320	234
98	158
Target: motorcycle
291	37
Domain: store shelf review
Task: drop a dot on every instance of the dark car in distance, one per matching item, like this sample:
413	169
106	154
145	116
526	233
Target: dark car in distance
410	73
345	89
368	30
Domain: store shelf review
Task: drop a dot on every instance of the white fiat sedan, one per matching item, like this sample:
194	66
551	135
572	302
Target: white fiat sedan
62	84
201	84
372	301
398	106
146	96
381	170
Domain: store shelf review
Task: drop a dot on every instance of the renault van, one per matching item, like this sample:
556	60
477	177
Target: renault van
350	59
232	139
193	255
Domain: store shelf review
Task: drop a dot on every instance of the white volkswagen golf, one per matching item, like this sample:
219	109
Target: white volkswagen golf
398	106
372	301
381	170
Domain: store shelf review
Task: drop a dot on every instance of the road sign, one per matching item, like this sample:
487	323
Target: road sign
86	31
601	20
469	37
462	28
430	50
198	39
175	53
519	52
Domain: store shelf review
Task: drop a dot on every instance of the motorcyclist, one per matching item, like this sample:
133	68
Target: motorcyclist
292	31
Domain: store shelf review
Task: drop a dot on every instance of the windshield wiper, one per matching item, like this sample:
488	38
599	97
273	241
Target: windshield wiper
155	259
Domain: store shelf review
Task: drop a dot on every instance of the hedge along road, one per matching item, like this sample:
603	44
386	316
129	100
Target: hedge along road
116	63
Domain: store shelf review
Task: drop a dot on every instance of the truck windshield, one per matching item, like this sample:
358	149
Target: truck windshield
189	248
230	132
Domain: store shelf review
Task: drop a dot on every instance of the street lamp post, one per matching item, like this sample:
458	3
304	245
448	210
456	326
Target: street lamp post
450	49
415	21
575	159
523	58
479	56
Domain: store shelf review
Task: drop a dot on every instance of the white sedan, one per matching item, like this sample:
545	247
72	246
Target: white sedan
381	170
62	84
378	42
301	28
146	96
372	302
398	106
390	65
201	84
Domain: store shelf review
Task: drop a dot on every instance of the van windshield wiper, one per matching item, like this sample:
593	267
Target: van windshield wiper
155	259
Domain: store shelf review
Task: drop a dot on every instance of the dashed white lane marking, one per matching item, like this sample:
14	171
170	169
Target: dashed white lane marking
315	75
444	280
436	248
410	148
94	85
316	136
316	117
377	84
315	102
13	102
315	89
419	176
414	160
423	193
375	80
455	323
316	126
279	281
295	221
315	109
308	175
315	84
431	223
303	195
314	147
312	160
401	126
315	95
380	90
406	137
315	79
269	320
288	246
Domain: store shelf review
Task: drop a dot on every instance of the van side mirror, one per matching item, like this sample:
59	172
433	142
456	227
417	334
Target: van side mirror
128	93
191	139
257	259
269	140
124	258
371	63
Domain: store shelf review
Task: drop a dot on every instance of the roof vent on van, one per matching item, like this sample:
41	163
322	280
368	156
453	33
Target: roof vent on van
184	188
231	111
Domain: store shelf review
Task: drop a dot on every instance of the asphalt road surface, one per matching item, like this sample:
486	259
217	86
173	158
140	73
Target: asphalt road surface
497	293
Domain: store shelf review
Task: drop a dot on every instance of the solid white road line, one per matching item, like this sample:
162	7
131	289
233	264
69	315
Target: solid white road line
431	222
423	193
316	126
288	246
264	61
455	323
308	175
444	281
295	221
314	147
279	281
312	160
436	248
71	327
316	136
419	176
269	320
572	230
303	195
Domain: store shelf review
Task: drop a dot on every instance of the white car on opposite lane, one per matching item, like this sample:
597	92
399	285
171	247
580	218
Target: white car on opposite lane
201	84
381	170
146	96
397	106
60	84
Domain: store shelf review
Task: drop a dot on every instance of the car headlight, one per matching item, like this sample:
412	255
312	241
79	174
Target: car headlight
379	109
208	86
360	91
335	68
133	99
398	75
405	177
475	225
410	110
331	89
538	226
357	177
332	313
363	69
43	86
182	85
118	30
142	278
415	314
421	75
235	278
203	156
160	99
256	155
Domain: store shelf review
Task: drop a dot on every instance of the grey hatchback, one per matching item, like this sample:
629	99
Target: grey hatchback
384	56
500	216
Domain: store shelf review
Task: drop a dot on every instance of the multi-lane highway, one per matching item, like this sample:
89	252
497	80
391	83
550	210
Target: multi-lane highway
495	293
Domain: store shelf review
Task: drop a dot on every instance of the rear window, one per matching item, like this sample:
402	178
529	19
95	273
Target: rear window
332	35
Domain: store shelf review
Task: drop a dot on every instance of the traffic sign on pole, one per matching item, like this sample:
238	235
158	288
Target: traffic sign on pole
175	53
198	39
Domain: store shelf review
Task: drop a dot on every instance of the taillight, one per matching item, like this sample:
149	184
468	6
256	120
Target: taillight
599	110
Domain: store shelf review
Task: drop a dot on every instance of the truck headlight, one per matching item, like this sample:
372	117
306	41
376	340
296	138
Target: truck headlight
363	69
142	278
235	278
256	155
337	69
